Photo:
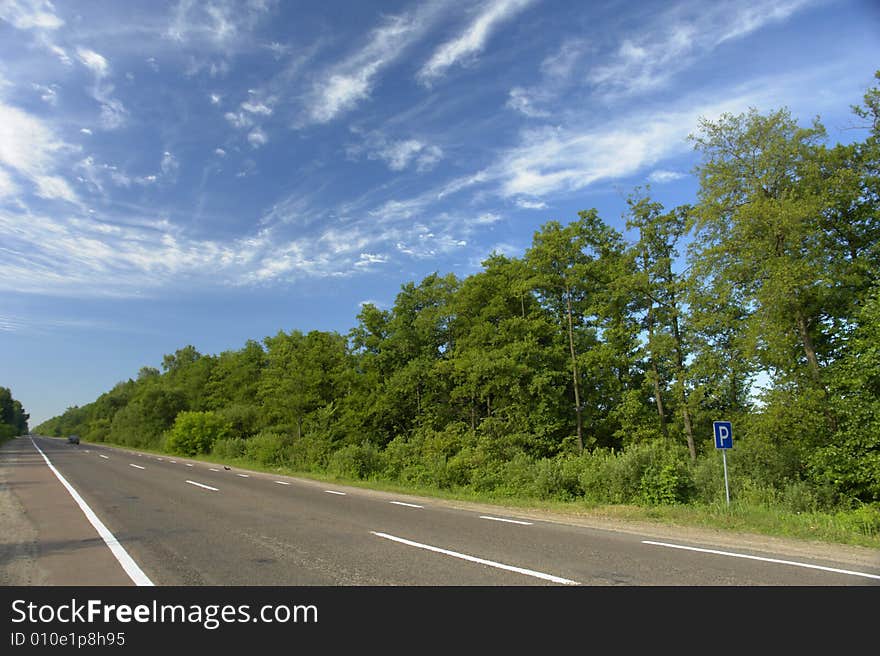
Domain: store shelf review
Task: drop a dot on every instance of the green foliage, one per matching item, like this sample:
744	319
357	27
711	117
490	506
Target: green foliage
12	414
358	461
268	449
194	433
229	448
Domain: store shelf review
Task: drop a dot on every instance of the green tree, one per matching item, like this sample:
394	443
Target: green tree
572	266
301	375
661	290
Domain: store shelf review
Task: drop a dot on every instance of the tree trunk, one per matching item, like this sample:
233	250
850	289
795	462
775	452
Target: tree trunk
679	358
575	376
813	364
658	395
809	349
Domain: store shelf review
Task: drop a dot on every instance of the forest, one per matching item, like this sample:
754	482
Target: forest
592	367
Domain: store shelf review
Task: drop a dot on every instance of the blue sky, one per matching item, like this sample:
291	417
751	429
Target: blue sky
210	172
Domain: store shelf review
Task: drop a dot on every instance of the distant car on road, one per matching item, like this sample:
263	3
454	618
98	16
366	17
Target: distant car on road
73	439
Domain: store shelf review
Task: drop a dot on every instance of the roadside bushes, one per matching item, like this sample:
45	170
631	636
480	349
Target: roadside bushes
268	449
360	461
195	432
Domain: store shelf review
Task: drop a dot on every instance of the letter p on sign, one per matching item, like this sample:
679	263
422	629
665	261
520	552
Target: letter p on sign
723	434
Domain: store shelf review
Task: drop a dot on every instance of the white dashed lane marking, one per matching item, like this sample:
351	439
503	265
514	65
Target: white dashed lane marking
207	487
481	561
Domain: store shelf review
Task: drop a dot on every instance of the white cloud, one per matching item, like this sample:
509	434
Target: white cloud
169	164
92	174
756	15
257	138
54	187
59	52
48	94
527	204
29	147
559	72
7	186
367	259
256	108
239	120
220	24
85	131
220	152
662	176
522	101
30	14
113	112
487	218
214	98
398	154
472	40
349	82
560	160
96	62
648	60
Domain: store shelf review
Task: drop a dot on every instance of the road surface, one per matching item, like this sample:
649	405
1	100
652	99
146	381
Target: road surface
120	517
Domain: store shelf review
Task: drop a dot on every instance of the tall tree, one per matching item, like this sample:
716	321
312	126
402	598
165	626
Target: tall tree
758	226
662	290
571	266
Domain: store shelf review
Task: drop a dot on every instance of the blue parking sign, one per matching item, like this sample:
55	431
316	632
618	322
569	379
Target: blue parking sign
723	434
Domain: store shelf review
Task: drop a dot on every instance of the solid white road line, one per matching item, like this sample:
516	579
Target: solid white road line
136	466
767	560
243	475
509	521
207	487
212	469
103	456
409	505
342	494
282	482
481	561
131	568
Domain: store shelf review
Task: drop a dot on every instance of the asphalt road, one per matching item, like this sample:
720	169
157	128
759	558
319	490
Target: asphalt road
183	522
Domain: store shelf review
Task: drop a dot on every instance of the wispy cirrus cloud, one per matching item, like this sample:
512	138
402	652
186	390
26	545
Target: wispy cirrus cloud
113	112
7	187
219	23
343	85
649	59
662	176
472	40
29	148
30	14
558	75
398	154
38	17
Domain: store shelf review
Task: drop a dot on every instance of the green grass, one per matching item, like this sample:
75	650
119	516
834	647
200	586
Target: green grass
855	528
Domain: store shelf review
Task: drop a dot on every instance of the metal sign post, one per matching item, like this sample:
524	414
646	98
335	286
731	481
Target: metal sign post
724	441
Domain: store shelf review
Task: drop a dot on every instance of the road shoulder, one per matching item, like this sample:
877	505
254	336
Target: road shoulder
46	538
